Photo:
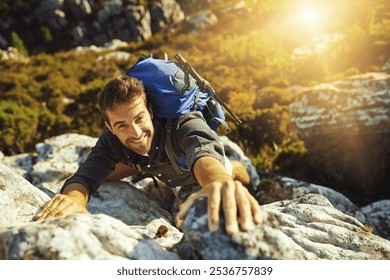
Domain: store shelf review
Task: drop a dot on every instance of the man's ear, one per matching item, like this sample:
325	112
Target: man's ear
109	127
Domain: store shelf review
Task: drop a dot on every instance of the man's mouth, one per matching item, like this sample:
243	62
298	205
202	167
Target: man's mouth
139	140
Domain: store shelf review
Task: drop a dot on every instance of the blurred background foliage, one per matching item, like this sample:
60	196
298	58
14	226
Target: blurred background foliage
257	60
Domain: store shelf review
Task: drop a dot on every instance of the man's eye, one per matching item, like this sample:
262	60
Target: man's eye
140	119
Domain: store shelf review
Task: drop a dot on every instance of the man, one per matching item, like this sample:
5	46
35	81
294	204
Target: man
133	143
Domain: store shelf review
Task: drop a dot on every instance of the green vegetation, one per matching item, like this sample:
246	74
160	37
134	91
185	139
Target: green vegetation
250	57
18	43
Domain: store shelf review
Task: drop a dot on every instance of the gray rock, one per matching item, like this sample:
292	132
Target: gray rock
103	14
77	33
263	243
3	42
164	12
128	204
78	8
104	21
58	158
21	163
6	23
378	213
114	7
345	126
117	55
79	237
283	188
56	20
14	55
19	200
300	226
51	4
304	228
191	6
139	22
203	20
356	103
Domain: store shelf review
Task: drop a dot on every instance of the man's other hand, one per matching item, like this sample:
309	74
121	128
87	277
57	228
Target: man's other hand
73	201
61	205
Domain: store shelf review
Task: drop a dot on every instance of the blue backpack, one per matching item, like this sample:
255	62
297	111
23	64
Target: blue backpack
175	89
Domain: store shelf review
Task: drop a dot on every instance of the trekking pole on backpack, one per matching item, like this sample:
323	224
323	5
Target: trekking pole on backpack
205	86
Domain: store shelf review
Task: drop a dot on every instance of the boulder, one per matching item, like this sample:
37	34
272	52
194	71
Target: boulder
164	12
58	158
284	188
96	236
346	127
308	227
79	237
19	200
74	23
78	8
203	20
297	223
139	22
378	214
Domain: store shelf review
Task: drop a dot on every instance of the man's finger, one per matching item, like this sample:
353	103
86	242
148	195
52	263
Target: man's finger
56	200
244	208
230	207
187	205
256	210
214	205
47	208
60	210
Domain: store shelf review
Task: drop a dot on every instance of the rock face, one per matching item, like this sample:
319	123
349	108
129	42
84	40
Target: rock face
135	221
283	188
346	127
304	228
190	6
70	23
19	200
80	237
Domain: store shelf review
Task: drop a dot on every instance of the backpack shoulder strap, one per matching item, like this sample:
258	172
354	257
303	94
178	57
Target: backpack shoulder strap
169	147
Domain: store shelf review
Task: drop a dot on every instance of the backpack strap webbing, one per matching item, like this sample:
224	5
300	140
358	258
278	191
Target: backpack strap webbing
169	147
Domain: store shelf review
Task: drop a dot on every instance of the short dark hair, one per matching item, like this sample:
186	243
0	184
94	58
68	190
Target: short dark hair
119	90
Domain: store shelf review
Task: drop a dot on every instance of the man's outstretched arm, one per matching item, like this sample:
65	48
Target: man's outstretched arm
72	200
219	187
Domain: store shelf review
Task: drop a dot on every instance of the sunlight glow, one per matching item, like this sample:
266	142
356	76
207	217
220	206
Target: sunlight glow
308	16
311	16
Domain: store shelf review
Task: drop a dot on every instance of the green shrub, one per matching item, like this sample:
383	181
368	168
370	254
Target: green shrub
46	34
18	43
19	124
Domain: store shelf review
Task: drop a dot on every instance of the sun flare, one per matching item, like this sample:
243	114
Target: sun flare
310	15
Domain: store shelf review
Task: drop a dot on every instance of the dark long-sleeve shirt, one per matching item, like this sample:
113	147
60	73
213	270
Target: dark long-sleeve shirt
191	137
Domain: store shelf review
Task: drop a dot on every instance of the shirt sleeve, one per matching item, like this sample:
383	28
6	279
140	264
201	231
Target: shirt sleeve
99	163
196	139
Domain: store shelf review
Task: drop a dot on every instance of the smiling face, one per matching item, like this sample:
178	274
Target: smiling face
132	123
126	113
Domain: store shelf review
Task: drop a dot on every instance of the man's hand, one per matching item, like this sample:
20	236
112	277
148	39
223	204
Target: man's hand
219	188
72	201
234	196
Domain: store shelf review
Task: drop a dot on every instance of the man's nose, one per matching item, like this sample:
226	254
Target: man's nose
136	131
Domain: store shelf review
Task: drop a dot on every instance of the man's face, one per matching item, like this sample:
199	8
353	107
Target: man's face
132	124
